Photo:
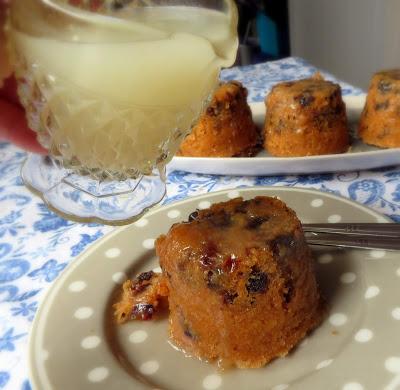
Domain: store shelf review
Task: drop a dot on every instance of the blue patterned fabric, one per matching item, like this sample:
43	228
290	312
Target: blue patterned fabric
36	245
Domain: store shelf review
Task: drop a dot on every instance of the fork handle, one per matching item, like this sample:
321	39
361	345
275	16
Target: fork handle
370	229
354	241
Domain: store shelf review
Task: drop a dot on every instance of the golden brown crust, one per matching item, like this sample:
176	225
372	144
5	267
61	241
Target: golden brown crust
304	118
380	119
241	282
226	129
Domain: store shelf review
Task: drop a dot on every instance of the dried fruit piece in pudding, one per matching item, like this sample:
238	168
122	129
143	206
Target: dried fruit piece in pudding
141	297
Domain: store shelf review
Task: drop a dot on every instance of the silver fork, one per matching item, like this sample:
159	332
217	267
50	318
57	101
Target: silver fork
354	235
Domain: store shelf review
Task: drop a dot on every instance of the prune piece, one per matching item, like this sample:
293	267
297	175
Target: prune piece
289	290
382	106
255	222
257	281
193	216
228	297
145	276
305	99
188	331
283	244
242	207
142	311
142	282
207	258
213	110
221	219
384	86
207	261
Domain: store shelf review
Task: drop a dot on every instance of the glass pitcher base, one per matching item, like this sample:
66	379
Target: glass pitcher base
83	199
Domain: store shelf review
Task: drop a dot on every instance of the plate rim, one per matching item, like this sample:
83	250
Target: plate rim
74	263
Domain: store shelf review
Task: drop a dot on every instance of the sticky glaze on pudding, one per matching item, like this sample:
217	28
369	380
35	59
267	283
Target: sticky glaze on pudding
240	281
305	118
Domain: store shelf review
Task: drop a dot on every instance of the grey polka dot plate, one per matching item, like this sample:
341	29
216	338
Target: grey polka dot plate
75	345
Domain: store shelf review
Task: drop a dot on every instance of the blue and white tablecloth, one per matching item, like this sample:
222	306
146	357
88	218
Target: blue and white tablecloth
36	245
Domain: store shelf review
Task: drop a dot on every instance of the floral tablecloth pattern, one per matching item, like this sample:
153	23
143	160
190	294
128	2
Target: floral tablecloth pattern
36	245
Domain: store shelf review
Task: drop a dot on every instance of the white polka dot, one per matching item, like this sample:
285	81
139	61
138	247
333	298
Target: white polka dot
396	313
392	364
348	277
371	292
112	253
325	258
353	386
398	272
77	286
205	204
363	335
119	277
45	354
317	202
157	270
377	254
338	319
149	243
323	364
98	374
90	342
211	382
149	368
173	214
138	336
233	194
83	313
282	386
334	218
142	222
